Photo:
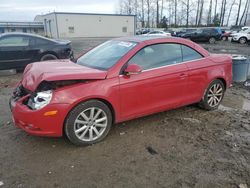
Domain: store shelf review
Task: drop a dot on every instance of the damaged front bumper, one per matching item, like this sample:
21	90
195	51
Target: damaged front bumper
38	122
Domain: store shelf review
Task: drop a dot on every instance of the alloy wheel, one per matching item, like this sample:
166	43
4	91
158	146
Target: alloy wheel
215	95
90	124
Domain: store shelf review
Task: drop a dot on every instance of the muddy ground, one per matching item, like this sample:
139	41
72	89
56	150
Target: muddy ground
186	147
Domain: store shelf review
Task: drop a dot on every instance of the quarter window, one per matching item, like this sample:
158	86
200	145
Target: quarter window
41	41
189	54
157	56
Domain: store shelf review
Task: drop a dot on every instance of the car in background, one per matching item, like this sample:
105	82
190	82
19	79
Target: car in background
225	34
19	49
184	31
119	80
171	31
235	28
210	35
242	36
158	33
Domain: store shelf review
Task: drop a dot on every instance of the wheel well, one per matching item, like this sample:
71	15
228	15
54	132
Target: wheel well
109	106
243	37
48	52
99	99
223	81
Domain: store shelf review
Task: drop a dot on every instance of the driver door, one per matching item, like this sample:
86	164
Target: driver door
14	52
159	86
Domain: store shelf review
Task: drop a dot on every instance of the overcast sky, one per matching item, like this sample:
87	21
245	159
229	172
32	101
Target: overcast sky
26	10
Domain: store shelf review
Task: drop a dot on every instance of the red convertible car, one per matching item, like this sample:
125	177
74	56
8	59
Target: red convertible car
119	80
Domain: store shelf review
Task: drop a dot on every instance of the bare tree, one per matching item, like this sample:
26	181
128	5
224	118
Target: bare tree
229	14
223	10
157	13
126	6
238	13
148	4
209	15
197	12
162	7
248	7
142	13
215	8
175	13
244	12
187	10
201	12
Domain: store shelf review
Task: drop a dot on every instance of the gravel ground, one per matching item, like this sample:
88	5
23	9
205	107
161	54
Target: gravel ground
186	147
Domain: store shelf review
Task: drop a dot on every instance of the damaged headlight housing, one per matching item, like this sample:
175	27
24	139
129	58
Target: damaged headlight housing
40	99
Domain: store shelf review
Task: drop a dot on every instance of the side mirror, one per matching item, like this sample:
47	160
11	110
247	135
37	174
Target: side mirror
132	69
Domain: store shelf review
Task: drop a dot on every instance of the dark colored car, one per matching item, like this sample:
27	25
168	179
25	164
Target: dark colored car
172	32
184	31
210	35
19	49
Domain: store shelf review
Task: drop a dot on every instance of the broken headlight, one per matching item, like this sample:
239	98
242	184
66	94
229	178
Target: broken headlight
40	99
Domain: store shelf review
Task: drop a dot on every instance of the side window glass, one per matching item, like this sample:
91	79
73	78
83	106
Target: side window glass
189	54
15	41
157	56
42	41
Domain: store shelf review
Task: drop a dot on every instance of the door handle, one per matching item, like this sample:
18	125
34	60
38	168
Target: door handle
183	75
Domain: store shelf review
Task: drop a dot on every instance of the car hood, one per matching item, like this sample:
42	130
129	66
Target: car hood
238	34
57	70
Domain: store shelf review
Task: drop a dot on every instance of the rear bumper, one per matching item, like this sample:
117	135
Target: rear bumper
35	122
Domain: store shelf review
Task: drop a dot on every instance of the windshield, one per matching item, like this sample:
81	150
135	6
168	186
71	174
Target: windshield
245	30
105	55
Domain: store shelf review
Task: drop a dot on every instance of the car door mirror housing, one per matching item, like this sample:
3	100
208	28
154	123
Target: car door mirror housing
132	69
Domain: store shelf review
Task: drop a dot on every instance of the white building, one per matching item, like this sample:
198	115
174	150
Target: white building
67	25
25	27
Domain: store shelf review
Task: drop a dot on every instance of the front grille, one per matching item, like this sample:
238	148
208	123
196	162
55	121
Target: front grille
19	92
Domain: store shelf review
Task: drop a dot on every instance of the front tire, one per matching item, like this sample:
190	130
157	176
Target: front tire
88	123
213	95
242	40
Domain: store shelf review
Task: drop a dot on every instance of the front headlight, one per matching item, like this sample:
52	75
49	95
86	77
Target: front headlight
40	99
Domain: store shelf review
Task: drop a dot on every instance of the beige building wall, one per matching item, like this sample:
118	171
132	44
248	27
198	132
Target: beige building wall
50	26
67	25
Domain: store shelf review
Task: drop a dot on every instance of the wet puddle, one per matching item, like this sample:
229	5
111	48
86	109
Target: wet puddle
237	103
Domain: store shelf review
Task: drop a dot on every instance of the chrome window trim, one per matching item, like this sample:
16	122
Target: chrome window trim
173	64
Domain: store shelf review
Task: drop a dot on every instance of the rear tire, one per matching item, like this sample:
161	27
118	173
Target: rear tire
47	57
212	40
213	95
224	38
88	123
